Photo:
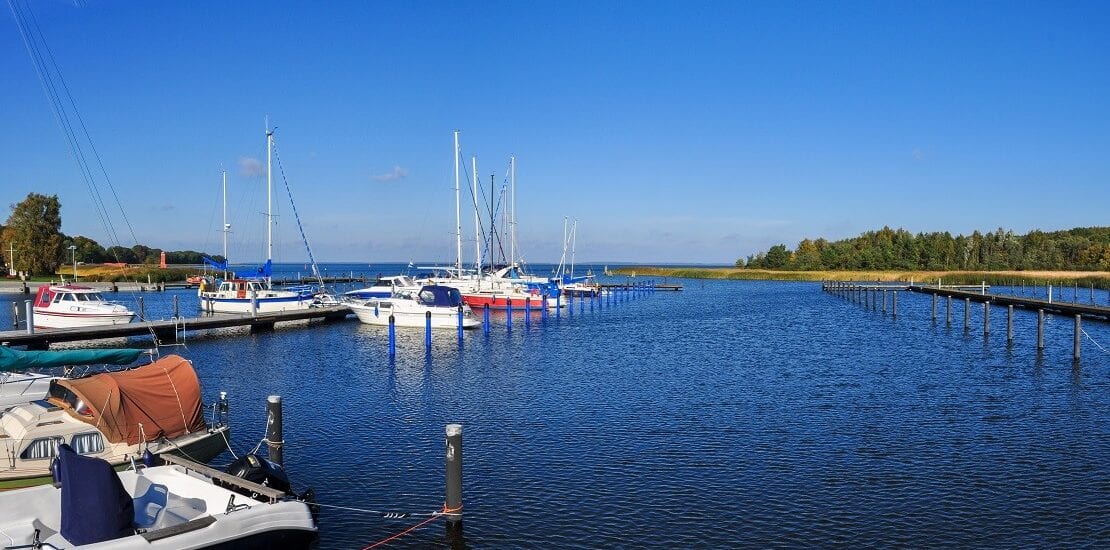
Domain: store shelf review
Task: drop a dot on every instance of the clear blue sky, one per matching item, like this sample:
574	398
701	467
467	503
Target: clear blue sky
673	131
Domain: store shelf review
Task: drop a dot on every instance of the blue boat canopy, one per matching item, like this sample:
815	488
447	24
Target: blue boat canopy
260	272
440	296
15	360
222	266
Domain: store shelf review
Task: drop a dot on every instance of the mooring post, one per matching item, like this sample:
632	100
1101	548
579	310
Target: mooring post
983	288
593	299
1077	341
274	437
527	312
934	308
543	310
452	502
392	336
558	304
30	316
582	302
987	318
142	310
254	303
1075	293
485	318
508	314
884	301
1049	292
948	311
428	330
570	304
967	313
15	315
176	308
894	303
1040	329
1010	324
1092	293
460	320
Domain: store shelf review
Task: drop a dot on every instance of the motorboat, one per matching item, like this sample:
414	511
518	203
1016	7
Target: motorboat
115	416
18	386
412	308
69	306
253	295
178	505
384	287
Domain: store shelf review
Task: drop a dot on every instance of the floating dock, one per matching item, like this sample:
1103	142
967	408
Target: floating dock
169	328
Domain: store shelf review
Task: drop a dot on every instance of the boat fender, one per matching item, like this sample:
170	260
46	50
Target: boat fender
261	471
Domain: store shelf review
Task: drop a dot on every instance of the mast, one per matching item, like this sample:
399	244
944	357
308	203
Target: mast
269	196
573	240
227	227
492	223
512	211
562	270
477	222
458	215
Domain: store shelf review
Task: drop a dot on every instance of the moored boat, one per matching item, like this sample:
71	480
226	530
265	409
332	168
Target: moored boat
246	295
69	306
17	386
115	416
411	309
384	287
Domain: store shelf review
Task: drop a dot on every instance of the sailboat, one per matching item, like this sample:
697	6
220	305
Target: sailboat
249	292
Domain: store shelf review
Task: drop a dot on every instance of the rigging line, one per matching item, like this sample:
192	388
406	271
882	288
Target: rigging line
81	121
297	217
59	112
1099	346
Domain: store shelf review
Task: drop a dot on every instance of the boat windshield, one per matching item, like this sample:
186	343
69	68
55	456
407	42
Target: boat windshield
89	297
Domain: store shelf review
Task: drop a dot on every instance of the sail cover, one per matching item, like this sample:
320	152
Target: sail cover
164	397
261	272
16	360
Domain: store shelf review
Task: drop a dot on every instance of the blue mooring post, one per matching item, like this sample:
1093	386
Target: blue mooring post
460	323
558	305
428	330
392	337
485	321
543	310
527	312
570	304
582	304
508	314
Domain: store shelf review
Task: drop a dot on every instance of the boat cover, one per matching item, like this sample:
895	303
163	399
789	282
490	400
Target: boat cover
95	506
14	360
261	272
164	397
220	266
443	296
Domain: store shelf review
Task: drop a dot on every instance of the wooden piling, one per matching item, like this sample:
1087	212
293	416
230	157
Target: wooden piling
884	301
934	308
1010	324
274	437
948	312
967	313
460	317
176	307
142	310
452	502
1078	341
987	318
894	303
1040	329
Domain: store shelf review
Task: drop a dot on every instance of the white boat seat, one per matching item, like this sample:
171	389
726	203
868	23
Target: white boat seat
150	504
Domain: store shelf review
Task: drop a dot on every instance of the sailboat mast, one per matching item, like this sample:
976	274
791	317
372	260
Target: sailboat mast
269	196
562	271
573	241
458	213
226	227
512	211
477	221
492	224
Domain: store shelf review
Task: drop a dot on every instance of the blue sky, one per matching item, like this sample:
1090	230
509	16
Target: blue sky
673	131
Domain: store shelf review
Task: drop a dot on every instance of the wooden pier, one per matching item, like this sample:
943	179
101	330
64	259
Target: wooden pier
1061	308
649	286
169	328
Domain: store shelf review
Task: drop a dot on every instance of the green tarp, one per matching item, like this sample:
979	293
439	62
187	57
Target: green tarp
14	360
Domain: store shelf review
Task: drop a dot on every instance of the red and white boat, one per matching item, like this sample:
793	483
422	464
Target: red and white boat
500	299
72	306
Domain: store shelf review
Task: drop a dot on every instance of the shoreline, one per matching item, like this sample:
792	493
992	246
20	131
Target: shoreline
1100	279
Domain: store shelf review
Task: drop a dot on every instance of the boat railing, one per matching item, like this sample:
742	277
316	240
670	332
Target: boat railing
272	495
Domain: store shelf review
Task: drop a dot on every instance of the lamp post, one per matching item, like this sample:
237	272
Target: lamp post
73	255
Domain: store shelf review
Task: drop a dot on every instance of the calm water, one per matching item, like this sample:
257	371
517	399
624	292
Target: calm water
733	414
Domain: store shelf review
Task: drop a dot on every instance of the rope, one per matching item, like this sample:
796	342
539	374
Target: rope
223	433
382	513
402	533
1093	341
180	408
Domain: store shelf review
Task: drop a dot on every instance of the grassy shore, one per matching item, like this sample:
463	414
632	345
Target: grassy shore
115	274
1100	279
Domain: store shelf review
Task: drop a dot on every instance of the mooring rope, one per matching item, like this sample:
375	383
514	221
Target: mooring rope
402	533
1093	341
383	513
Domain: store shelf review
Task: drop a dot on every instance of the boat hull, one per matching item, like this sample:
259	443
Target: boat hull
443	318
45	318
264	305
519	302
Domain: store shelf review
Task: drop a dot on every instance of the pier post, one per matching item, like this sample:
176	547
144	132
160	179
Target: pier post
558	305
508	314
1092	293
176	307
1077	342
142	310
460	320
428	330
1040	329
570	303
1049	292
983	288
1010	324
452	502
254	303
527	312
987	318
392	336
934	308
948	312
884	301
1075	293
274	437
967	313
582	301
485	318
543	310
30	316
15	315
593	299
894	303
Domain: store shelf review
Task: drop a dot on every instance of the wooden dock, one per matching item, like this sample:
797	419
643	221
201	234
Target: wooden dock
170	328
625	286
1061	308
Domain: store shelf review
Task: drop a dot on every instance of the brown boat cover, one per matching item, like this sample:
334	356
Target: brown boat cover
164	397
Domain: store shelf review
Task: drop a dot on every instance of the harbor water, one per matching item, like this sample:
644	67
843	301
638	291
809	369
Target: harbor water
731	414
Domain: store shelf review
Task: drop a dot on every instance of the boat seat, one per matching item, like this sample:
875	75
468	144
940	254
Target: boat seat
150	503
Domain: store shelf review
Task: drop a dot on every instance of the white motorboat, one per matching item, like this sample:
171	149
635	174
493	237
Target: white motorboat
22	387
72	306
179	505
384	287
114	416
411	309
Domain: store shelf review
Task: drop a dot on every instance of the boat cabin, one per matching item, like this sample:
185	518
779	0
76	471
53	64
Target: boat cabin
241	288
66	295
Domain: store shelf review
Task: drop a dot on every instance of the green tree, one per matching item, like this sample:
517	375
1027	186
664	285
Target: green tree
777	257
34	228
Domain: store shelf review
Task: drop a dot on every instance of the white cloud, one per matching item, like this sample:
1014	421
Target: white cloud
250	167
397	173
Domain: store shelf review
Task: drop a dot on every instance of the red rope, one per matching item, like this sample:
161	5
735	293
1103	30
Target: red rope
405	532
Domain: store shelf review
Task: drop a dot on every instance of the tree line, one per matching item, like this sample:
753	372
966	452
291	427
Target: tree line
1079	249
32	234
